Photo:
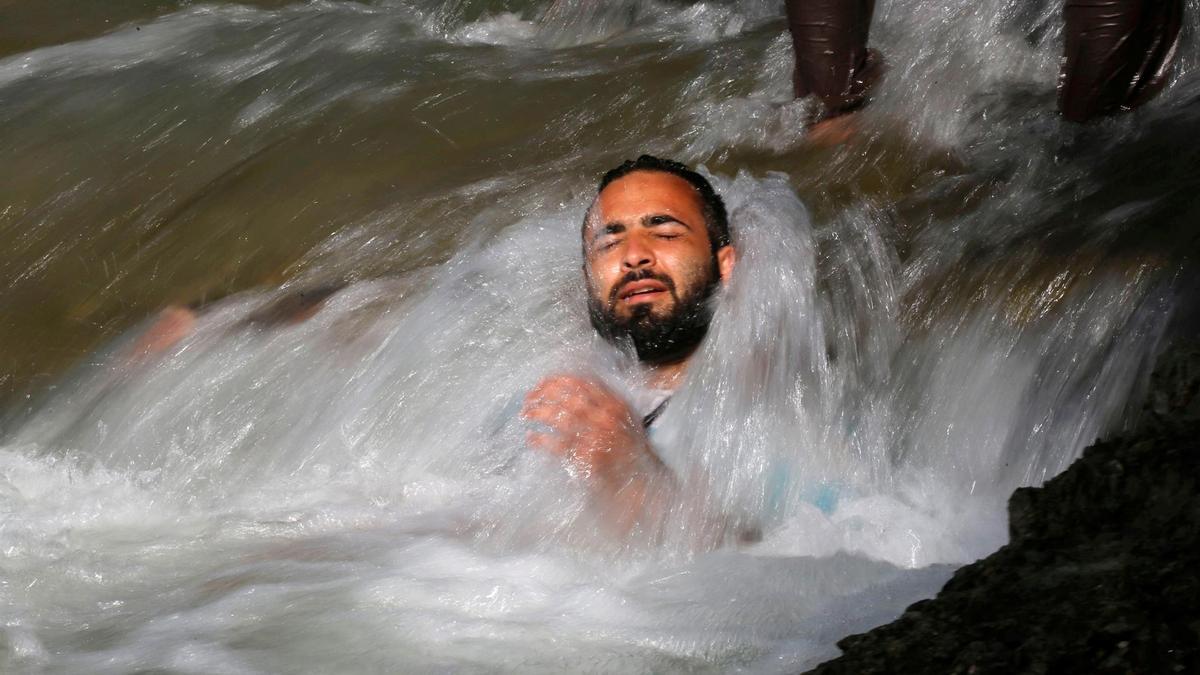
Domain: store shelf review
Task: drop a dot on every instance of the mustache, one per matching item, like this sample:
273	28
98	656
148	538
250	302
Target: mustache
638	275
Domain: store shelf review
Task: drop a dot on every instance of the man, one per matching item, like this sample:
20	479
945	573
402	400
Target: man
656	247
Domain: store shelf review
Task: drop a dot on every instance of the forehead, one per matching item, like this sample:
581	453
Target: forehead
644	192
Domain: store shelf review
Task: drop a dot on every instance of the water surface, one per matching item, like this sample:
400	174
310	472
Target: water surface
952	304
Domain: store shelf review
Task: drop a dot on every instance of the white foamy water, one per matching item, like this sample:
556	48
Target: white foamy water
352	492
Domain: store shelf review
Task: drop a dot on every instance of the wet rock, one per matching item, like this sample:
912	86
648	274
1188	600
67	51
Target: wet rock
1102	572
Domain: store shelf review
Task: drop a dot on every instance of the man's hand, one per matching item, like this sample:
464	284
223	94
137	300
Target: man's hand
591	427
596	433
594	430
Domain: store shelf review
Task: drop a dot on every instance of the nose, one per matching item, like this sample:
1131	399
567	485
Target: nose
637	254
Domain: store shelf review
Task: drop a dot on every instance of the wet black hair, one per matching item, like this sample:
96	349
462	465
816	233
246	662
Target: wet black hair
716	220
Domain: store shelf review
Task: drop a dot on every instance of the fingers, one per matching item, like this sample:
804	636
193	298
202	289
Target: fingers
573	393
579	461
546	413
573	421
584	422
561	388
558	413
555	400
551	443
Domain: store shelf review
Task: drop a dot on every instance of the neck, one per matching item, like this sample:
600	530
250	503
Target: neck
666	376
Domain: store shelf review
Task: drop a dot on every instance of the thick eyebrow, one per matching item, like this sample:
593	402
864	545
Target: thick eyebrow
609	228
663	219
649	220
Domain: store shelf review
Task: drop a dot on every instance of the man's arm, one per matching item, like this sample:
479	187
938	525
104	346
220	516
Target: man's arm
603	442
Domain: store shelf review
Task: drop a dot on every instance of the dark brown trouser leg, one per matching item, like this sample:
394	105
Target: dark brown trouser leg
1117	54
830	41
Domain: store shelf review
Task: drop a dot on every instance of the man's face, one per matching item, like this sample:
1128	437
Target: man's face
649	264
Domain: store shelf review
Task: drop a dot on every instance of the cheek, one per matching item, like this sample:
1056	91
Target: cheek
690	271
598	280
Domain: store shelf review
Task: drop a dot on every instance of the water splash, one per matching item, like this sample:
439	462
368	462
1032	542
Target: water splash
907	338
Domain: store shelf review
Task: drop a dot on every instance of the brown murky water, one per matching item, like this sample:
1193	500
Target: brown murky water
29	25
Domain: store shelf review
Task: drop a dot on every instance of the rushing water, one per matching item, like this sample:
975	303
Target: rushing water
948	306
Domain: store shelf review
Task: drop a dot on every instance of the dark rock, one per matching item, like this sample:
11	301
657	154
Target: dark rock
1101	574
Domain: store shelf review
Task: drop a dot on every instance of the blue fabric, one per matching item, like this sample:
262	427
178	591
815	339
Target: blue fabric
823	495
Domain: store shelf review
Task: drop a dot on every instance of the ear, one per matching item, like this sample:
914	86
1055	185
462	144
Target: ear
726	260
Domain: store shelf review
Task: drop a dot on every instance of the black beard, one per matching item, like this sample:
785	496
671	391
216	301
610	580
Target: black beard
657	339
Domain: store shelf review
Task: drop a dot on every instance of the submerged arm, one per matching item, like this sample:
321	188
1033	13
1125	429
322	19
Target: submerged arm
605	444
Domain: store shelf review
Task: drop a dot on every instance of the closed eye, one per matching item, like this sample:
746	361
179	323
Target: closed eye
665	221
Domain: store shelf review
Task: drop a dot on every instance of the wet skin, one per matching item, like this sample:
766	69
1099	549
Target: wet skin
648	222
643	223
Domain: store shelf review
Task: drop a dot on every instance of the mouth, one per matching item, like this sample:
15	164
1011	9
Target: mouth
645	290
